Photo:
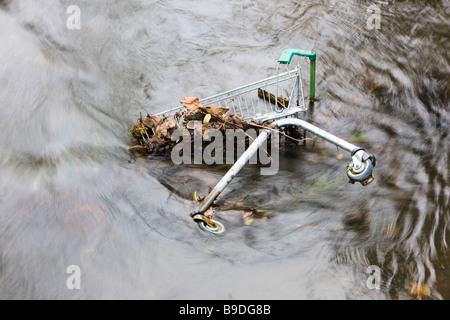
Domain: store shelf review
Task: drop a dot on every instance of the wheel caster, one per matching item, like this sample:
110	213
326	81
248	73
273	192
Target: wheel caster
207	224
361	168
216	229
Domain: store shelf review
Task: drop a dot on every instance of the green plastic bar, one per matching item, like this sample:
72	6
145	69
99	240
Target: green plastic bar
286	57
312	81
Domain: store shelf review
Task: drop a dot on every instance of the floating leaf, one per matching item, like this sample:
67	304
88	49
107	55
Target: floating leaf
359	137
133	147
249	221
340	156
248	218
419	289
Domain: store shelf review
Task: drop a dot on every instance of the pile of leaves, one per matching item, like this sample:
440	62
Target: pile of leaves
152	135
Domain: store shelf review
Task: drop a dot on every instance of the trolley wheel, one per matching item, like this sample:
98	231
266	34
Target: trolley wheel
363	174
217	229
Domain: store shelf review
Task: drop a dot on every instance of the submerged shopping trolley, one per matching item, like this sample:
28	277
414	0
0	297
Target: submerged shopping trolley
278	100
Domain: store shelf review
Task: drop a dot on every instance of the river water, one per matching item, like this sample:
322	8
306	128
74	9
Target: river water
71	195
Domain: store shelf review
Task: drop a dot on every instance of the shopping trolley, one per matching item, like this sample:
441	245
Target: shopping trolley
278	100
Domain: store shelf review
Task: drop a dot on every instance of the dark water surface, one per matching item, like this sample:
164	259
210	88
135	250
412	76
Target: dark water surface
70	196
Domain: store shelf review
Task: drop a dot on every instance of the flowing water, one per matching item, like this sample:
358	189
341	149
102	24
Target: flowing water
71	195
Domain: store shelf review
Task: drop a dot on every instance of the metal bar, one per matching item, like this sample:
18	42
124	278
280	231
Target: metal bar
301	88
266	104
275	106
285	77
234	93
293	99
245	157
317	131
234	170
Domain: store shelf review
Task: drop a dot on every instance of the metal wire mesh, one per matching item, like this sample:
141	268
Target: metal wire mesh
260	99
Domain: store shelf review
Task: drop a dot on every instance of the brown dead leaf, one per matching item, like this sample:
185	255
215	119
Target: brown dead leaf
252	216
192	103
190	125
152	121
156	142
152	135
164	128
207	118
215	111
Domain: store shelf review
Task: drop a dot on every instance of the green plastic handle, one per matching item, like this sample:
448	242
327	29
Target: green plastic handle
286	55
